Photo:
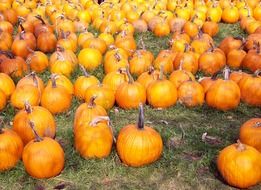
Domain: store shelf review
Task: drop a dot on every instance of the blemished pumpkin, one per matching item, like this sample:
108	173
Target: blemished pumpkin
137	144
44	123
11	148
236	162
94	139
43	157
250	133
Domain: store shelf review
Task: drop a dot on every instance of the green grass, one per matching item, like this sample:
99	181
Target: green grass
187	162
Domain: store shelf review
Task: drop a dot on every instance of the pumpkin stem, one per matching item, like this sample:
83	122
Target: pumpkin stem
142	44
1	125
37	137
181	64
258	48
59	48
257	124
131	80
226	72
240	147
117	56
53	79
141	117
98	119
257	72
151	70
91	103
161	72
8	54
22	27
85	73
40	18
28	108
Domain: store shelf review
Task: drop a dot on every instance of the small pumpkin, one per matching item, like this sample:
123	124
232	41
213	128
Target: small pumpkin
131	150
130	94
63	81
43	157
90	58
46	42
31	79
7	85
43	120
38	61
252	60
56	98
11	148
235	162
149	76
94	139
250	133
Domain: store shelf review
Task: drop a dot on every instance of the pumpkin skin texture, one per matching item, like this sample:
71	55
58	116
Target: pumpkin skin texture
11	149
43	158
223	94
90	58
250	87
3	100
56	98
191	94
250	133
94	139
236	162
139	145
43	121
177	77
6	84
130	94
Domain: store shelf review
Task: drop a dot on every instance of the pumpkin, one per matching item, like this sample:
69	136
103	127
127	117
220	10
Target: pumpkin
210	28
82	83
13	65
63	81
43	120
6	84
237	76
56	98
11	148
165	58
229	43
250	87
38	61
235	58
115	62
129	147
90	58
126	42
130	94
230	14
161	93
223	94
191	93
236	162
161	29
62	66
104	95
114	79
41	26
95	43
43	157
31	79
94	139
46	42
6	40
250	133
25	93
191	28
149	76
252	61
88	111
252	41
179	76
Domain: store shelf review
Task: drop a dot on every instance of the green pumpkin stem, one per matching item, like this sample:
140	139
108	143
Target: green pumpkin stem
240	147
37	137
86	74
131	80
141	117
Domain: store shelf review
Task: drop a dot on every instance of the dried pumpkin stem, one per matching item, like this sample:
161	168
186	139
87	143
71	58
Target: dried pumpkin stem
151	70
92	101
161	72
40	18
257	124
8	54
226	73
141	117
1	125
21	26
85	73
131	80
98	119
28	108
53	79
37	137
257	72
240	147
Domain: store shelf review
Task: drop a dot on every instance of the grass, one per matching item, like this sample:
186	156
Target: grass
187	162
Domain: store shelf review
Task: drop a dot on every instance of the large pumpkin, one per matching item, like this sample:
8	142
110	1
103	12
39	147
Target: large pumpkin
250	133
239	165
43	157
11	148
139	145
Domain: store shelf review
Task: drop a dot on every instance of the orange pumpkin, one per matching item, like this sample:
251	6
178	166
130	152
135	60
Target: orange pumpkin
11	149
6	84
252	60
31	79
38	61
236	162
46	42
131	150
43	120
43	157
94	139
90	58
250	133
147	77
130	94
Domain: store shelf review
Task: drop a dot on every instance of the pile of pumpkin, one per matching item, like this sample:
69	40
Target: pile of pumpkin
55	35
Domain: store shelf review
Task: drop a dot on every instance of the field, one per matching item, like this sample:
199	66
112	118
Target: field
187	162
